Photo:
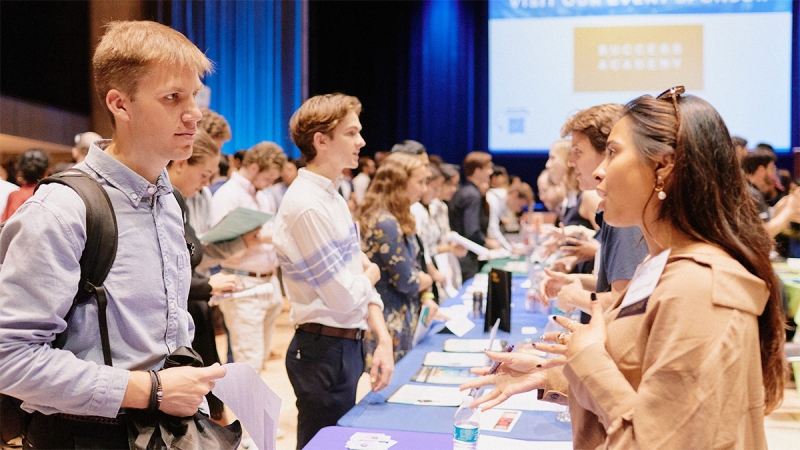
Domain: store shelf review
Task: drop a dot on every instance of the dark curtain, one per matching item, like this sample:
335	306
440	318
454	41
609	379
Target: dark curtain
418	67
258	51
447	91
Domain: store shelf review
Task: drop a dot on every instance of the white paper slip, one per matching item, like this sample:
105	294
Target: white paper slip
528	330
472	246
236	223
470	345
486	442
252	401
420	394
455	311
370	441
502	420
446	359
460	325
528	401
443	264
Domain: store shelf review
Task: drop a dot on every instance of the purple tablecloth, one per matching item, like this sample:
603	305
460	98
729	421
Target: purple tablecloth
336	437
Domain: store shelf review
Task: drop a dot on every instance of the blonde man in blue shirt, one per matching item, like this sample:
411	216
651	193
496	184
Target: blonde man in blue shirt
147	75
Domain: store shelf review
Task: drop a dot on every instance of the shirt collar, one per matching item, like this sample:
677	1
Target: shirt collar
323	182
243	182
130	183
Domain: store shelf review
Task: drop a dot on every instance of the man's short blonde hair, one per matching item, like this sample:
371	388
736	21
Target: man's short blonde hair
321	113
215	125
267	155
129	49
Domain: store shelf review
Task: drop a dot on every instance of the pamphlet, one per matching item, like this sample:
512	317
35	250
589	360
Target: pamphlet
421	394
238	222
443	375
447	359
423	325
471	345
252	401
499	420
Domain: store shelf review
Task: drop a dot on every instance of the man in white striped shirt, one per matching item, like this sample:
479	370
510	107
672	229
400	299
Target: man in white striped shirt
328	280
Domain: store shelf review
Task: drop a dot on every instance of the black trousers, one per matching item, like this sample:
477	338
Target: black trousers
56	432
324	373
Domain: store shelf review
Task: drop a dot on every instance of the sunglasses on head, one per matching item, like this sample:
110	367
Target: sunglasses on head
673	93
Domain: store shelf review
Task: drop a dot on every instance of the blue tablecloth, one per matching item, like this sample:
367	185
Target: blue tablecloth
374	412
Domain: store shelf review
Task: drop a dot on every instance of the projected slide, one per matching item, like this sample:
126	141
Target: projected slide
551	58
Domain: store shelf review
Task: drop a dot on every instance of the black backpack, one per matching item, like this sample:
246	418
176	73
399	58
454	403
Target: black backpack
98	256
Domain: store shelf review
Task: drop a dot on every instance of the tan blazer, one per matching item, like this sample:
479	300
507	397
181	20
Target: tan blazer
679	370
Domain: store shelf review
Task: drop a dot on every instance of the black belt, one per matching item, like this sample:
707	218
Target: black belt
245	273
324	330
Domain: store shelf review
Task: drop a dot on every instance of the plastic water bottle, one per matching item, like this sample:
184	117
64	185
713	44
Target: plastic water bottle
532	302
467	426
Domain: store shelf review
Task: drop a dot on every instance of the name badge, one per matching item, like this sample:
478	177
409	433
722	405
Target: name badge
644	282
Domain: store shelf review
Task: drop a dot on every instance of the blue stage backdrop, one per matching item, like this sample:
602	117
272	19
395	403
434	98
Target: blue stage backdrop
447	107
258	51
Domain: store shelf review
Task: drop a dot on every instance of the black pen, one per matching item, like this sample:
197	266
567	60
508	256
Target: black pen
493	369
496	364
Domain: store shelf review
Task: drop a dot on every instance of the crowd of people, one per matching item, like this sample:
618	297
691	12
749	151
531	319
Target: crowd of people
658	182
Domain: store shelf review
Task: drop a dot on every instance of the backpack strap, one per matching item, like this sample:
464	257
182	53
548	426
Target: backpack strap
100	249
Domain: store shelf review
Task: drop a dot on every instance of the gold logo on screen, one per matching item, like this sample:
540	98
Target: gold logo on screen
642	58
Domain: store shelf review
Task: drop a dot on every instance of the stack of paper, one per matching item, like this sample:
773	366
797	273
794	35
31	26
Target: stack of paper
370	441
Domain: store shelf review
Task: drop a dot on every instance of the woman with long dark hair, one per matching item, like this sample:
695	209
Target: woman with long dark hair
691	355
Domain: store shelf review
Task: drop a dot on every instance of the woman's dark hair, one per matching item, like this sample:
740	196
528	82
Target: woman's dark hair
705	193
33	165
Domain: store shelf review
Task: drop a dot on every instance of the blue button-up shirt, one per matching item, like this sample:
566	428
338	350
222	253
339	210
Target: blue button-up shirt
147	288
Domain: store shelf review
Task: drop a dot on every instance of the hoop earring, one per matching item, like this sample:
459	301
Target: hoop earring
660	189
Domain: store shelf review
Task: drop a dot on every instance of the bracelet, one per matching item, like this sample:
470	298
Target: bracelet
427	296
159	390
153	405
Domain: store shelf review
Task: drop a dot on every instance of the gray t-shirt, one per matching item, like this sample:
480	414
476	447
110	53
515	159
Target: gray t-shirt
621	251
